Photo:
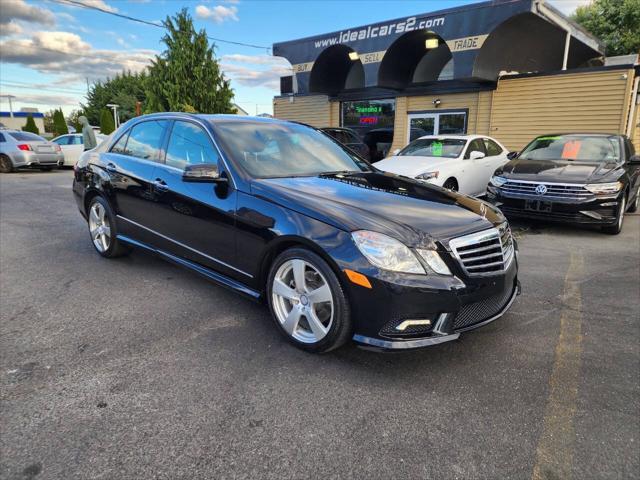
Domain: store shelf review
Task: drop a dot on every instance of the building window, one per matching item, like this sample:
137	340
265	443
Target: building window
368	115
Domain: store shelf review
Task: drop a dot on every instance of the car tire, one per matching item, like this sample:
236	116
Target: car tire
451	184
617	227
102	229
318	325
6	165
633	207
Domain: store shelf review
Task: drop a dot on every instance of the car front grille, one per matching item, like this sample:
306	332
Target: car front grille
488	252
553	190
476	312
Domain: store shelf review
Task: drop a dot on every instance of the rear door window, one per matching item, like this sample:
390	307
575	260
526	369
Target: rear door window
145	140
121	144
76	140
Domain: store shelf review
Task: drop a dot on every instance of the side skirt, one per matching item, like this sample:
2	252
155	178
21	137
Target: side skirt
209	274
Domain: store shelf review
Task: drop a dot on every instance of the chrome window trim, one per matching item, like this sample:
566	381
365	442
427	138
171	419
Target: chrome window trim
185	246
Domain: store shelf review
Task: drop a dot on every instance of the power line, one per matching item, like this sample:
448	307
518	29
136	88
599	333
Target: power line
152	24
43	88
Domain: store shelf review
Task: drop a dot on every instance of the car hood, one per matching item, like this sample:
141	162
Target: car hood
561	171
413	212
410	166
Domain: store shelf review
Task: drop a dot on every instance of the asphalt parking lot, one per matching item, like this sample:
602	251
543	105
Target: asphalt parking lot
134	368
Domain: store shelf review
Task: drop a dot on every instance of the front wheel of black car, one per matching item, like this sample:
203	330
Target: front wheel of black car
617	227
307	301
102	228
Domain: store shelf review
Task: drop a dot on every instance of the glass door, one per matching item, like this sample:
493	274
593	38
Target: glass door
449	123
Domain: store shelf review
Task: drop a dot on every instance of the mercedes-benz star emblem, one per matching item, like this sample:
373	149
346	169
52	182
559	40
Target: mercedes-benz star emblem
541	189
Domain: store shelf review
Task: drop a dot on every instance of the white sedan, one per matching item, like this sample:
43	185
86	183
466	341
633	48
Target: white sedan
463	163
72	146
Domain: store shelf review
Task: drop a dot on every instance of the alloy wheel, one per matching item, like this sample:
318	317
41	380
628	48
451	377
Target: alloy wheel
623	207
99	227
302	301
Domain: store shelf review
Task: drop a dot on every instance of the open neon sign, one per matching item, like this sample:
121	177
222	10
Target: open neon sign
368	120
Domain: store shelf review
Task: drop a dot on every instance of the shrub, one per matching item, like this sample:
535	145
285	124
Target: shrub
31	126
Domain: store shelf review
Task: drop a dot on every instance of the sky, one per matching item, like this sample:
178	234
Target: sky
50	50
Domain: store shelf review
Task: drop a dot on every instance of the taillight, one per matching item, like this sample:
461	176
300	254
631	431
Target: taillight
24	146
57	147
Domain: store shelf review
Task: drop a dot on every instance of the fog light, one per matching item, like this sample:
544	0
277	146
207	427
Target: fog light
401	327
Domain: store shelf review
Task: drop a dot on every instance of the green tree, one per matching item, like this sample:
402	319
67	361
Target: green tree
124	90
59	123
187	74
107	124
74	119
615	22
31	126
48	121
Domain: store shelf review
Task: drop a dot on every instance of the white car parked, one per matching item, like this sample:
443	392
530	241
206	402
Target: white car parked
72	146
463	163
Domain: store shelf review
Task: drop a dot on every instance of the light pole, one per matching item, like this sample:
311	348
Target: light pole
114	107
10	97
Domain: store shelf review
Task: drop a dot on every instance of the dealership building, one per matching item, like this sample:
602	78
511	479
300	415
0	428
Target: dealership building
511	69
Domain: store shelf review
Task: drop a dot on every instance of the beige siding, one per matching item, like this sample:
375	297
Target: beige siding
314	109
334	119
523	108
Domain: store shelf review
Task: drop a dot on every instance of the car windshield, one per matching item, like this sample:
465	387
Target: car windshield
434	147
583	148
267	150
27	137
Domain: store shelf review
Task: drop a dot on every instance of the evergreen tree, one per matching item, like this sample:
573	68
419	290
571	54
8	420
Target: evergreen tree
107	124
59	123
124	89
187	74
31	126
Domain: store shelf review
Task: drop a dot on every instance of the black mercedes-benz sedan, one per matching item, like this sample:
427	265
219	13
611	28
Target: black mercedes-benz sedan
580	178
280	211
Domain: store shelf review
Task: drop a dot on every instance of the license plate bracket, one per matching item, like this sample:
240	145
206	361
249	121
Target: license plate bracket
538	206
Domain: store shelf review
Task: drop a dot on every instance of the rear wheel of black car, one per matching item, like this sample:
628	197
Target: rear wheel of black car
617	227
307	301
6	166
102	229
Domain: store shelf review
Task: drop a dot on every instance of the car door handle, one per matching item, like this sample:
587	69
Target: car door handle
160	185
111	168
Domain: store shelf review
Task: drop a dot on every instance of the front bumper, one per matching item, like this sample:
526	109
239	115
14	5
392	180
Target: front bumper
452	305
591	211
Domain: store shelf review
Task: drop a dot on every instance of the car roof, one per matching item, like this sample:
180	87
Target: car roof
455	137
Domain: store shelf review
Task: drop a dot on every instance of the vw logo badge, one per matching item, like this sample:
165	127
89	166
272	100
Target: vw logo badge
541	189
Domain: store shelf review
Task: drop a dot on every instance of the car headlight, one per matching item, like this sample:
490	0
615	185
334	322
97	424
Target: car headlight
497	181
427	175
386	252
434	261
604	188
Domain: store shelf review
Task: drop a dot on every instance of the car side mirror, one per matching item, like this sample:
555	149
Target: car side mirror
512	155
203	173
634	159
396	151
476	155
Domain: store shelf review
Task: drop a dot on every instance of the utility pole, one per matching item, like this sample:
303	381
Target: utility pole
114	107
10	97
